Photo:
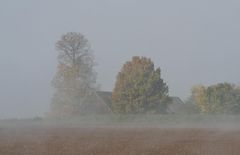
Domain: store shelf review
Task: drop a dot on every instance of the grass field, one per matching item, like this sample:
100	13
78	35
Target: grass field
127	135
118	140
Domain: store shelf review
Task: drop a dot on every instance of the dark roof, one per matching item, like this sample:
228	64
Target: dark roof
175	104
105	96
176	100
97	103
106	99
104	93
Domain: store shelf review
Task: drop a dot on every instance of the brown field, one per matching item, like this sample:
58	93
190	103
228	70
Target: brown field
118	140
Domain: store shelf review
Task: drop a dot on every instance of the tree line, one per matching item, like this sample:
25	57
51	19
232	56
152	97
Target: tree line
139	87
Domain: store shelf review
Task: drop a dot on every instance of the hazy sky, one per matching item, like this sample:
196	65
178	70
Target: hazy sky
194	42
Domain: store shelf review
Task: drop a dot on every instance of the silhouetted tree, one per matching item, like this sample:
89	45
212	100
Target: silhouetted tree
139	88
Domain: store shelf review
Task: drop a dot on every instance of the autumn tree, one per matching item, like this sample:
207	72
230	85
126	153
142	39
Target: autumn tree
75	78
222	98
139	88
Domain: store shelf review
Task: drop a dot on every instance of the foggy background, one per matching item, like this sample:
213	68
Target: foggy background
194	42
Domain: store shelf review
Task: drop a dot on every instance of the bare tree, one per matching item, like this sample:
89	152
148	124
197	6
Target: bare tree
75	79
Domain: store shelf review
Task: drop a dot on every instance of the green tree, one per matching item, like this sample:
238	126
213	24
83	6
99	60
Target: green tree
139	88
75	79
217	99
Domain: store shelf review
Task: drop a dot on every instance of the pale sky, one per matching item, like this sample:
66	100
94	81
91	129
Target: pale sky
193	42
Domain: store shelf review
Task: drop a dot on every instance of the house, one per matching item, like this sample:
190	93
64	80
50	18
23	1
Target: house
103	100
175	105
106	97
98	103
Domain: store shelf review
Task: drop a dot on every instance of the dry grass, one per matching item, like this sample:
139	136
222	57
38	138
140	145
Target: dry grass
118	140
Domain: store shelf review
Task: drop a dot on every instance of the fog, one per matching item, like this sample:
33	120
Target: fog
194	42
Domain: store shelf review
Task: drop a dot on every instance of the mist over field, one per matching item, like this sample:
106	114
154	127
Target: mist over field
119	77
